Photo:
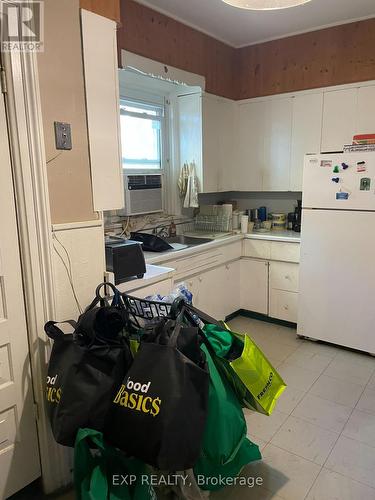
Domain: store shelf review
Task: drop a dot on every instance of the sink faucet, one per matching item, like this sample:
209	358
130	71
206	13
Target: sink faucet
161	231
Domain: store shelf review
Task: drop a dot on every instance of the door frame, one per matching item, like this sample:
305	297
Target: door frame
25	129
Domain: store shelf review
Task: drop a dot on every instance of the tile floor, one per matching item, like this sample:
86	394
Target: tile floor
319	444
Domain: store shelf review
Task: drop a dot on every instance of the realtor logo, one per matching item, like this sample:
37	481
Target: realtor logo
22	26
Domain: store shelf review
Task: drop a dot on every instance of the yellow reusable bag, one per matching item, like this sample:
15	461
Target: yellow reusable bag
256	382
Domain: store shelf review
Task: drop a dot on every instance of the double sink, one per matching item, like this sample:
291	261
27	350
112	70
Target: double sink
180	242
188	241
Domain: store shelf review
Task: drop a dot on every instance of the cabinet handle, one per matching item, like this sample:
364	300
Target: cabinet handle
286	308
200	279
227	267
287	277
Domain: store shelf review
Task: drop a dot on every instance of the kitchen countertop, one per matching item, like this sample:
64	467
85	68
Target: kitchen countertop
153	257
286	236
154	274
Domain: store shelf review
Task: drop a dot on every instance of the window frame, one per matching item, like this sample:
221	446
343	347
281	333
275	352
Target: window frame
162	118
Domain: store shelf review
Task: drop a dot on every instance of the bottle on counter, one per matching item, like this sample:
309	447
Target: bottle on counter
172	229
291	219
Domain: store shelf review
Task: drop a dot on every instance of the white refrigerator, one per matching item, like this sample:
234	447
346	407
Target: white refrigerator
337	269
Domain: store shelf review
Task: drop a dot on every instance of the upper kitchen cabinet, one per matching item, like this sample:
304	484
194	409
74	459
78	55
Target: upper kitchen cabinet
206	130
339	119
263	145
103	115
366	110
249	146
306	133
277	145
226	131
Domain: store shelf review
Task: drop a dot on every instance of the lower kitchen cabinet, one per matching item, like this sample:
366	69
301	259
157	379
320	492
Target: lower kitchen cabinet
283	305
283	296
265	280
254	285
217	291
162	288
284	276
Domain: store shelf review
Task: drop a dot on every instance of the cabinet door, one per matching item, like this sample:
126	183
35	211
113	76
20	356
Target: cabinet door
306	133
254	285
103	114
278	136
211	292
366	110
250	159
231	289
211	154
190	132
226	126
339	119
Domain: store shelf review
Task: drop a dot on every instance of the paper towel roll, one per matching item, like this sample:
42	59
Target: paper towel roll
244	223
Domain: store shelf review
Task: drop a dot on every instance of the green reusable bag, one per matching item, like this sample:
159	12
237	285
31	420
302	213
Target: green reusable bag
99	471
225	449
253	378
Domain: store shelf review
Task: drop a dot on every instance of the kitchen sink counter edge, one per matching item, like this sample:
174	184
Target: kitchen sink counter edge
173	255
286	236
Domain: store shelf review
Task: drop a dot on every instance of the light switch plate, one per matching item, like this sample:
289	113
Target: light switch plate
63	135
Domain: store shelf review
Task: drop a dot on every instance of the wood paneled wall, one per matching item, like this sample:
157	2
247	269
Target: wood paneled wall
156	36
333	56
106	8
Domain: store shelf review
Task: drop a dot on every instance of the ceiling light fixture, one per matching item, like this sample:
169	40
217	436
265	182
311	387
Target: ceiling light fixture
265	4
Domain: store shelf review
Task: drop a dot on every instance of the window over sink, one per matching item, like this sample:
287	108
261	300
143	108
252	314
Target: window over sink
143	135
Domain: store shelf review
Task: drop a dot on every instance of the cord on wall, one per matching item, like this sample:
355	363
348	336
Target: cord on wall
54	157
68	269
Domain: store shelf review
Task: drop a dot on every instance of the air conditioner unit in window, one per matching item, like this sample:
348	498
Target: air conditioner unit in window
143	194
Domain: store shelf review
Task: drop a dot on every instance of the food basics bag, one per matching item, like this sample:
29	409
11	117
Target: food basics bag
159	412
255	381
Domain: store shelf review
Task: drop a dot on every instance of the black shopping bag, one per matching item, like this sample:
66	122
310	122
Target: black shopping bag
159	413
86	369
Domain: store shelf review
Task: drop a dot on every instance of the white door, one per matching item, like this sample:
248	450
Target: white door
337	278
339	119
254	285
306	133
19	453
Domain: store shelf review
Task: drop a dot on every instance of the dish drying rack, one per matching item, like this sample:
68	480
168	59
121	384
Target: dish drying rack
213	223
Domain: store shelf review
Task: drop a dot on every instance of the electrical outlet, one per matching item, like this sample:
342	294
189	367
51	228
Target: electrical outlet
63	135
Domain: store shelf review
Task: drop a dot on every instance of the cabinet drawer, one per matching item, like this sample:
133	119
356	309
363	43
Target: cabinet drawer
232	251
288	252
257	249
162	288
195	263
283	305
284	276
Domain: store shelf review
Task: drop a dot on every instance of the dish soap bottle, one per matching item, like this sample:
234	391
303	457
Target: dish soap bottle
172	230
